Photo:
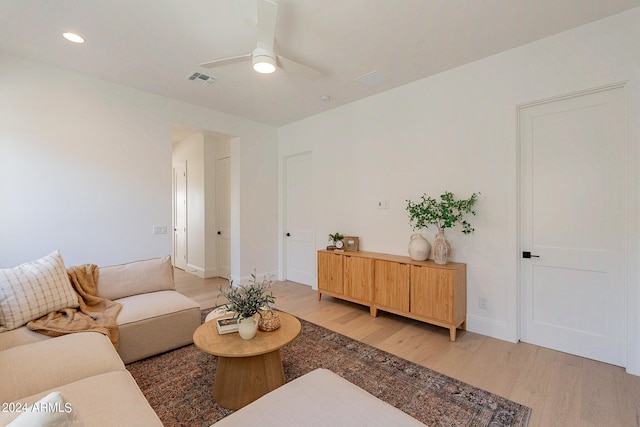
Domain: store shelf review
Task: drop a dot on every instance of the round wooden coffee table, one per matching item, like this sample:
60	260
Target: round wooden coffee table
247	369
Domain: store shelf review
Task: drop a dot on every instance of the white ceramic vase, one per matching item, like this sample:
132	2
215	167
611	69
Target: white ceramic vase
419	248
441	249
247	327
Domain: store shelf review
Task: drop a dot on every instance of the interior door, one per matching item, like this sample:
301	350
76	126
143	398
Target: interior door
223	209
572	225
180	216
299	245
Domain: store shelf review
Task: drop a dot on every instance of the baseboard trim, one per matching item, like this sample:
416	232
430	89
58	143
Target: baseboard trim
210	272
201	272
194	269
490	327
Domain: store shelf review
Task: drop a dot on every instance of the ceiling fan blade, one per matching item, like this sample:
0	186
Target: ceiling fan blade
267	13
225	61
299	69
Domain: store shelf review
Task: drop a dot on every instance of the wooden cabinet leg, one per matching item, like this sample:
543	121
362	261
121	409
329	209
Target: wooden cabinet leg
373	311
319	295
452	333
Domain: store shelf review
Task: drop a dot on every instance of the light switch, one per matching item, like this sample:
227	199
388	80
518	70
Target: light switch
159	229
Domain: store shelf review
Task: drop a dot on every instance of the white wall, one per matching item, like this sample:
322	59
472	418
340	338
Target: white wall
77	163
258	204
457	131
86	168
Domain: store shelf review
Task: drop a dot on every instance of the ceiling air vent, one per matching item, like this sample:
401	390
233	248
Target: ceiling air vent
373	79
202	78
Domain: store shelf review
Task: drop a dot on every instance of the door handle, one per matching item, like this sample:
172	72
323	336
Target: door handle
288	234
527	254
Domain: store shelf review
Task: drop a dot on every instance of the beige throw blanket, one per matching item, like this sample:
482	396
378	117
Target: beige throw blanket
95	314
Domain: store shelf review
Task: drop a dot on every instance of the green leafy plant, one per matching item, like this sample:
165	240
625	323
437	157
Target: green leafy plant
335	237
444	213
247	300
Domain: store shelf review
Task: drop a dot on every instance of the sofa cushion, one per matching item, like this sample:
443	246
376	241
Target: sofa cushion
33	289
45	365
134	278
20	336
154	323
319	398
139	308
109	399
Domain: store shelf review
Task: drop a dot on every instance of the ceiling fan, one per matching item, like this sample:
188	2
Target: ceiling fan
263	57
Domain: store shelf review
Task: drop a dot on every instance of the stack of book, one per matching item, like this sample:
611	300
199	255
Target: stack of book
227	325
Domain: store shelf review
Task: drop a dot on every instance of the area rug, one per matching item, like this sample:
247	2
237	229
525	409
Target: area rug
178	384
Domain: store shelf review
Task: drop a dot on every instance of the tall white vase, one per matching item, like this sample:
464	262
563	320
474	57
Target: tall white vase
441	248
419	248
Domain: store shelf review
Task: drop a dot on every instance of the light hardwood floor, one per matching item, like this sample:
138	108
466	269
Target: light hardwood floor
562	390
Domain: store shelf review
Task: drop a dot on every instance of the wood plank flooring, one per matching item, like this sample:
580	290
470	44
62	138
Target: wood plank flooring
562	389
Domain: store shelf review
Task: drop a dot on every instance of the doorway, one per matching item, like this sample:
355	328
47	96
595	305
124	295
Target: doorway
180	216
197	213
223	216
299	245
572	228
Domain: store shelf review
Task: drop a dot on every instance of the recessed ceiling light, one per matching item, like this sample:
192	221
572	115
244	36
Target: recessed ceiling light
73	37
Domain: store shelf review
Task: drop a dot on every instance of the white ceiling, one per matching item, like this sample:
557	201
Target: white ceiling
154	45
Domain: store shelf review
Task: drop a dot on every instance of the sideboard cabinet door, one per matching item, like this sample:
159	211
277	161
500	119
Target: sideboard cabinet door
392	285
432	293
330	272
358	277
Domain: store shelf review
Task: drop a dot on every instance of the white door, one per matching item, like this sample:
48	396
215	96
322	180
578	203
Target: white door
180	216
300	254
572	223
223	209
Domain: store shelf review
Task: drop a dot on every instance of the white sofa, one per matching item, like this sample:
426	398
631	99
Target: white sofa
84	367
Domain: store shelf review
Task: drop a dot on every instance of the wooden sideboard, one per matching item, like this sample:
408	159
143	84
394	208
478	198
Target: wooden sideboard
420	290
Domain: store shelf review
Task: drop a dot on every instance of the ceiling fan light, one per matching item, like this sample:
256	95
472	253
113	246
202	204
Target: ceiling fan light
264	64
263	61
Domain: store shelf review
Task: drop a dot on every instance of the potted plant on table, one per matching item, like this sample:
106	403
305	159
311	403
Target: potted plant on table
248	300
444	213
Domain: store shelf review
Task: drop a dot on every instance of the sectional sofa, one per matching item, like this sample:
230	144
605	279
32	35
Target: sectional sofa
81	375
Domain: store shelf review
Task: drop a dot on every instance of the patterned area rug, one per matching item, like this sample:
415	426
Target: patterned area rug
178	384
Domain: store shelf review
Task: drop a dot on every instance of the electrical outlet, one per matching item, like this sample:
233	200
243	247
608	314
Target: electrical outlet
383	204
482	303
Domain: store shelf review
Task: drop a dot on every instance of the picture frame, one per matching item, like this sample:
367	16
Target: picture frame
351	243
